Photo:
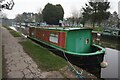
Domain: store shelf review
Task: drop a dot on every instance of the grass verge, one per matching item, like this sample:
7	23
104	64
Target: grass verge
8	28
45	59
14	33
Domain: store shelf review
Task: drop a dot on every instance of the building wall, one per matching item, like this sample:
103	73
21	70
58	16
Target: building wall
7	22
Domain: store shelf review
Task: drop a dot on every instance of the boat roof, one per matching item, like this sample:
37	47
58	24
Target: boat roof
64	28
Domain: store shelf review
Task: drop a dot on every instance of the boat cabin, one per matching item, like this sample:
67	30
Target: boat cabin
77	40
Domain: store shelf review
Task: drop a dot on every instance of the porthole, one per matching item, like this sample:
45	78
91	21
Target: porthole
87	41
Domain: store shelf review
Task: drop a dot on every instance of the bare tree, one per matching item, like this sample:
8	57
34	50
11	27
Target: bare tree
8	5
75	15
39	17
40	10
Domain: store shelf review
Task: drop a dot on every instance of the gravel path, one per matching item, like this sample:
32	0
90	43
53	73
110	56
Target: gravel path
18	63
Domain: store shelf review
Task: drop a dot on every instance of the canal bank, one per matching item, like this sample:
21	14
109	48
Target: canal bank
107	41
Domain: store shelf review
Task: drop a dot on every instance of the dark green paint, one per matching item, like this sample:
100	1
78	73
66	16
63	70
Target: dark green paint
76	40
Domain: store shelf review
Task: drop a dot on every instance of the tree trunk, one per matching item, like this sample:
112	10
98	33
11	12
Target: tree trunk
93	24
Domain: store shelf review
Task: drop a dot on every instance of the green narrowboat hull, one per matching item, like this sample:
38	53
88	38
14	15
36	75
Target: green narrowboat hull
94	58
73	43
99	51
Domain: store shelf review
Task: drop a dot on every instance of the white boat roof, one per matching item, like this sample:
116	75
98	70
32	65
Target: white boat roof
63	28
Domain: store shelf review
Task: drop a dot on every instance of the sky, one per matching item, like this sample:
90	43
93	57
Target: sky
34	6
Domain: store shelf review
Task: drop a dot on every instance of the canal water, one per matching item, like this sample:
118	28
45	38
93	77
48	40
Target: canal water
112	46
111	57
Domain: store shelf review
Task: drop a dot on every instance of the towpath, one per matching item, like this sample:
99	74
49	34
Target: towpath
18	63
0	52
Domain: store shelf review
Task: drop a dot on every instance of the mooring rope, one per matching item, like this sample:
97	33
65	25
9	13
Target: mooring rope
77	73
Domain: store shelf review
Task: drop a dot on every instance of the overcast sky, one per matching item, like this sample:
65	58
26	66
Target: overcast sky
34	5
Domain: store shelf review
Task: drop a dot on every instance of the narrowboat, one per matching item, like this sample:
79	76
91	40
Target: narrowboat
111	32
75	43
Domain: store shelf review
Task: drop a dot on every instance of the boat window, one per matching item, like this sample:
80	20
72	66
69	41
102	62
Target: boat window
107	31
87	41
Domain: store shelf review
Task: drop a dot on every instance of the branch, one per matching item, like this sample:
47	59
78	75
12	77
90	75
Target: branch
8	5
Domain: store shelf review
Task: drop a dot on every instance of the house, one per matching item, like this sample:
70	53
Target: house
7	22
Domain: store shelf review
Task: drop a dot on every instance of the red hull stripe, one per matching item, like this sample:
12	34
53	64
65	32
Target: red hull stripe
57	38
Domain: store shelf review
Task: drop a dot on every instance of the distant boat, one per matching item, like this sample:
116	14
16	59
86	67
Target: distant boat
111	32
